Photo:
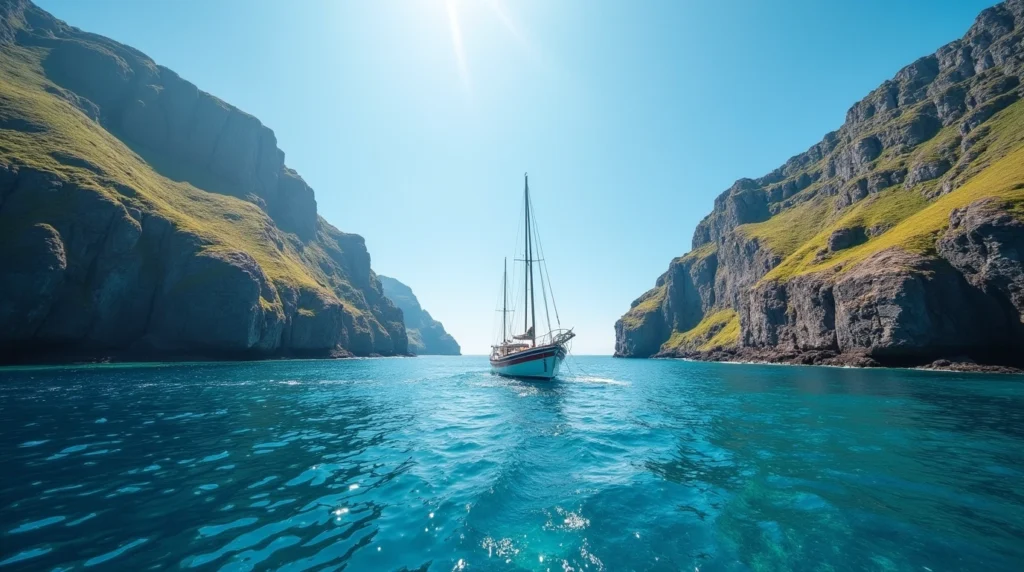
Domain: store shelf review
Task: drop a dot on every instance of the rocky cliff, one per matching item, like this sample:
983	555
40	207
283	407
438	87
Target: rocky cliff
426	335
896	239
141	215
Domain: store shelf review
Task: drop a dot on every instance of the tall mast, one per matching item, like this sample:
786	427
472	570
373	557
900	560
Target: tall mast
526	257
529	263
504	303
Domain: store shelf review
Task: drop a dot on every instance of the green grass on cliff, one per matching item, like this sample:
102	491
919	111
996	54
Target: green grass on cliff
785	232
916	223
43	130
718	329
888	207
940	146
701	252
799	232
651	301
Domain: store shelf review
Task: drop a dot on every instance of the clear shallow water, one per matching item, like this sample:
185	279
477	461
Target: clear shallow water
435	464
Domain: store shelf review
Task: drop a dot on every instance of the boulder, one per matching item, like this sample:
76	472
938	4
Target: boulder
844	238
926	171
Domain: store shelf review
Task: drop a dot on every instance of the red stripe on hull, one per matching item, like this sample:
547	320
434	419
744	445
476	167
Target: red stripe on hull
512	360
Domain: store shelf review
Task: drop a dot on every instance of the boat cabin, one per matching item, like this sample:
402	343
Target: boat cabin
507	349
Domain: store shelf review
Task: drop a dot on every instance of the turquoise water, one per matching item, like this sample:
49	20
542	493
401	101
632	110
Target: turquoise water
435	464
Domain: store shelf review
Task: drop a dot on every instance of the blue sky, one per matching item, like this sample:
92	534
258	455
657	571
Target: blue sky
415	120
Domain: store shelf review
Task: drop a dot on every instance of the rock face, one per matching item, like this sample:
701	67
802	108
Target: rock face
898	239
426	335
144	217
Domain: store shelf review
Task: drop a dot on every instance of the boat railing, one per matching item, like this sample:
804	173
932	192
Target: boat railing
556	337
561	336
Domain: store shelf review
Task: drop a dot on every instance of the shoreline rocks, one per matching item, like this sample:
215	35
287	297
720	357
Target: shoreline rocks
832	359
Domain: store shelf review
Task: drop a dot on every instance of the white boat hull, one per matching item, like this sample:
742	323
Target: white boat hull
536	363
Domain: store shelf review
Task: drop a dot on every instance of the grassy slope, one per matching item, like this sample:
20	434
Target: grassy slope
701	252
997	172
786	231
61	139
719	329
914	222
801	226
649	302
652	300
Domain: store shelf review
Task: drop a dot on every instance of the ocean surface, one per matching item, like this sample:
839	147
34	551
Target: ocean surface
435	464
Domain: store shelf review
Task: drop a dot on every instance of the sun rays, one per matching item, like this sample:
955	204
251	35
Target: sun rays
457	44
455	23
499	10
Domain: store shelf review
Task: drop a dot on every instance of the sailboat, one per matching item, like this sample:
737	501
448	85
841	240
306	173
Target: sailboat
529	355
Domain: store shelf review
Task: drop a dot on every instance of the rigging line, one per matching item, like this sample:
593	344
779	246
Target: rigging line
577	366
544	265
514	277
543	275
544	292
494	325
504	303
542	268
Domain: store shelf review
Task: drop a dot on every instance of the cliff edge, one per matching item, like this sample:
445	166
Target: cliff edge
426	335
898	239
142	216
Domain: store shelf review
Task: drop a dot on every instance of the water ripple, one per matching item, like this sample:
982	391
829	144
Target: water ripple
434	464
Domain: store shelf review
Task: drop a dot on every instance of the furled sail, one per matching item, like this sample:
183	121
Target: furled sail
527	336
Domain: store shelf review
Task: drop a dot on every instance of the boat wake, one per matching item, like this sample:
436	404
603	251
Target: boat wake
592	379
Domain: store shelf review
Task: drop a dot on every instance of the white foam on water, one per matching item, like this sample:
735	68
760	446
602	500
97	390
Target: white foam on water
593	379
